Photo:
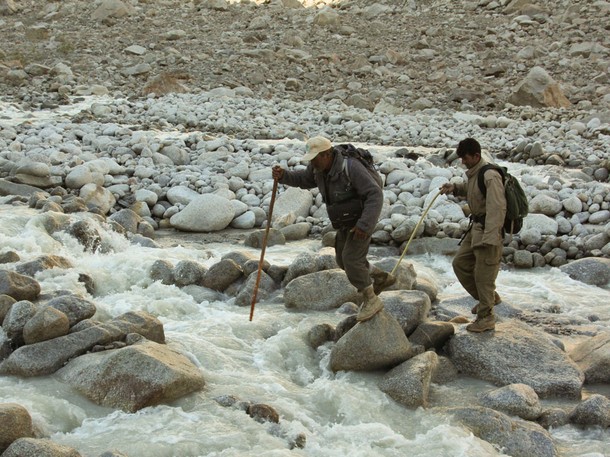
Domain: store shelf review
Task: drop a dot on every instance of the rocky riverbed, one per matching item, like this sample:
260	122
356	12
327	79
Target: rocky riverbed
150	124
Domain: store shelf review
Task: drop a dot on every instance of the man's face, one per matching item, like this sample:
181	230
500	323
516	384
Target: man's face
323	161
470	161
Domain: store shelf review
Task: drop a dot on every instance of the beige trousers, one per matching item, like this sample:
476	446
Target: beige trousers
477	270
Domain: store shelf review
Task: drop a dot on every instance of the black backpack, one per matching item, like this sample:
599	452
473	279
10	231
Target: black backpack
365	158
516	201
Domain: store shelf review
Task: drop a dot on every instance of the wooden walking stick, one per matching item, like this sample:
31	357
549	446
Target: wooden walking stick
413	234
260	262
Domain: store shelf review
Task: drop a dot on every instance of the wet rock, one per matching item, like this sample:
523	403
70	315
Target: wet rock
320	334
409	382
515	400
378	343
222	274
409	307
18	286
432	334
74	307
44	262
263	413
594	271
16	318
517	353
15	423
46	324
595	410
48	356
593	358
134	377
517	438
305	292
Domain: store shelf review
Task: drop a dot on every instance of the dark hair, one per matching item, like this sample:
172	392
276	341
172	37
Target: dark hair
469	146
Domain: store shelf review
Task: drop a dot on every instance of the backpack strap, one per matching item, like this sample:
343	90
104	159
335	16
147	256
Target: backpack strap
481	177
346	167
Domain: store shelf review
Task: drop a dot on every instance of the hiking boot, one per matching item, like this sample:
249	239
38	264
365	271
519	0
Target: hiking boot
372	305
497	300
482	324
381	280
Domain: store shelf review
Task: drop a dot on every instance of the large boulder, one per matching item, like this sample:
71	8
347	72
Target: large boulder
32	447
205	213
18	286
376	344
47	357
595	410
266	285
75	307
593	358
517	438
515	400
291	204
591	270
15	423
409	382
517	353
134	377
46	324
222	274
539	90
16	318
320	291
409	307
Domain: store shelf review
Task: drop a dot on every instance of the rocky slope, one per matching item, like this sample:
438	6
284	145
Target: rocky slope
392	55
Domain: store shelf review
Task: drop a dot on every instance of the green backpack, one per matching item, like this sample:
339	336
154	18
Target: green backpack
517	206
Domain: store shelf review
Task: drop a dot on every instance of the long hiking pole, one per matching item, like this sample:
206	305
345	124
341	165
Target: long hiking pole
413	233
260	262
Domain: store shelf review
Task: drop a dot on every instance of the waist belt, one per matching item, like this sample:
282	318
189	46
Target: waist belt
478	219
473	218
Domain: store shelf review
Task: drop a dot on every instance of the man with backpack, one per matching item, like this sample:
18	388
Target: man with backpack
353	198
477	261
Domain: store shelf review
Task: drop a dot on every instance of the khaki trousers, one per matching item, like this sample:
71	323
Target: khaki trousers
477	270
351	257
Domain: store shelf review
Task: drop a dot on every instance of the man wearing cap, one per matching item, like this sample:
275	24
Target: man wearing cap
353	203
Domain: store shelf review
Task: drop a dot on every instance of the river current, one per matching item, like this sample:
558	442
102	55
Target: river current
266	360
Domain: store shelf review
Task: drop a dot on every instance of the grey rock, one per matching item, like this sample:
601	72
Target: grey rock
517	353
376	344
222	274
593	271
515	400
432	334
15	423
593	358
595	410
74	307
32	447
320	291
408	307
48	356
18	286
517	438
409	382
134	377
46	324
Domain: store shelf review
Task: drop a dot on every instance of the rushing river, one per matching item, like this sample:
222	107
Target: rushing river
266	360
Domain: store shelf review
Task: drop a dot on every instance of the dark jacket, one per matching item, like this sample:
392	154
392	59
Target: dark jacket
335	186
493	207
